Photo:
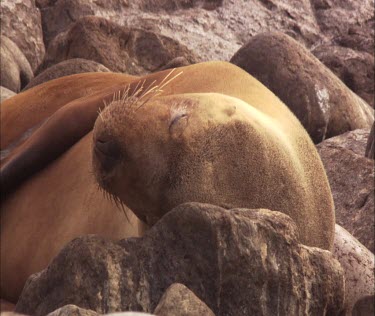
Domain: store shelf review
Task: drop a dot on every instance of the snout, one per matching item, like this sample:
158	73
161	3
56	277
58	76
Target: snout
107	152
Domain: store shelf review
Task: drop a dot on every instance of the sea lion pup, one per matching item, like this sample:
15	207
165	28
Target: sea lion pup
214	134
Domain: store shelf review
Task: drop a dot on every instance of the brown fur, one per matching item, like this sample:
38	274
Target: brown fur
238	146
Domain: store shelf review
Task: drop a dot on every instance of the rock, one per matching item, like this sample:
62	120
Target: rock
364	306
72	310
179	300
21	22
15	69
323	104
351	177
370	146
358	30
358	264
133	51
354	68
205	247
212	29
66	68
5	94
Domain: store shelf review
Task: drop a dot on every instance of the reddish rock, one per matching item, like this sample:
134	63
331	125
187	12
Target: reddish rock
323	104
21	22
205	247
133	51
351	177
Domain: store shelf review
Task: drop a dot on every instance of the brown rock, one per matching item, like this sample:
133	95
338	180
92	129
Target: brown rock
179	300
21	22
5	94
15	68
354	68
358	264
323	104
58	15
205	247
356	32
212	29
66	68
120	49
370	146
351	177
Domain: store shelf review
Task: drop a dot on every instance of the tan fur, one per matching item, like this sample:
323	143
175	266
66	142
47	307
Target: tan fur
237	145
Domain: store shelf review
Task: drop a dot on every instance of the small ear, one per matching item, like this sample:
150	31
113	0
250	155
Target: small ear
178	125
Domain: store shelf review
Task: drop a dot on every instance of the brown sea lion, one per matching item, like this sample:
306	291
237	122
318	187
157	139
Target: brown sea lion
214	134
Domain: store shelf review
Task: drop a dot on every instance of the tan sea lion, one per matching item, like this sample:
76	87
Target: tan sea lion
214	134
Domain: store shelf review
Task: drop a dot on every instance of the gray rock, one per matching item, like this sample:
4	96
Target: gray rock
15	69
351	177
21	22
121	49
323	104
72	310
5	94
66	68
239	262
358	264
179	300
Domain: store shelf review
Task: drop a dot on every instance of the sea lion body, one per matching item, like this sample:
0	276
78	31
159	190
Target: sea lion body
214	135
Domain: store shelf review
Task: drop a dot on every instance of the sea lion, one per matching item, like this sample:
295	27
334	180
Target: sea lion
214	134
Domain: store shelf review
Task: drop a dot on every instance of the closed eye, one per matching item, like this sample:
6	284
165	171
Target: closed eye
176	119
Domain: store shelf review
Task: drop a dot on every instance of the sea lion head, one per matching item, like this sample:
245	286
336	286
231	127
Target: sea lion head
158	155
209	148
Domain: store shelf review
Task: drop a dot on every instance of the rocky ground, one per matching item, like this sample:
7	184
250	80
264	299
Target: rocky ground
317	56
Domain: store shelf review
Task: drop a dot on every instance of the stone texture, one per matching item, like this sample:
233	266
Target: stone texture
207	248
351	177
323	104
66	68
365	306
225	25
133	51
354	68
15	68
370	146
5	94
179	300
21	22
350	23
358	264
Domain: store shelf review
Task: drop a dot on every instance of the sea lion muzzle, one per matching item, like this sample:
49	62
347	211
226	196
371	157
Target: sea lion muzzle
108	153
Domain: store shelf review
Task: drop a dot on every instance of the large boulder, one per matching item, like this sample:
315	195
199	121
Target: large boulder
323	104
66	68
354	68
239	262
133	51
351	177
15	68
21	22
370	146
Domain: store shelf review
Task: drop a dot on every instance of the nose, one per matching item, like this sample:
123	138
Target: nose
108	152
